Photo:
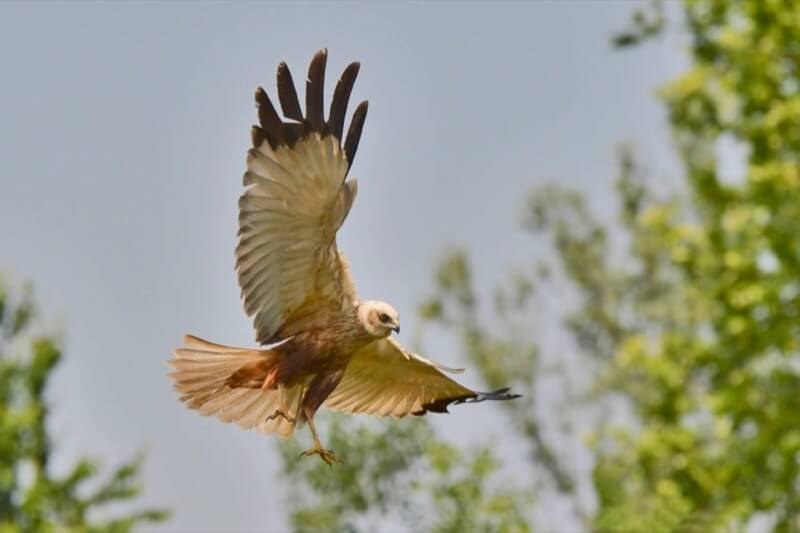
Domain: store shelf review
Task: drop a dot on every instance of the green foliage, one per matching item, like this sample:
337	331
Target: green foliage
644	26
388	467
375	477
688	307
499	347
31	497
462	499
713	369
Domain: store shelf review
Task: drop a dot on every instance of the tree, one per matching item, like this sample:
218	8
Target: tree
694	320
388	467
31	497
713	370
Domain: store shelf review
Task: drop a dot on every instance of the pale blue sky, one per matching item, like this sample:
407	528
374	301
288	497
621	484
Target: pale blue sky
123	131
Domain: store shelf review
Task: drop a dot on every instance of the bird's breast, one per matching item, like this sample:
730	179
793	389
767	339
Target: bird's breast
314	352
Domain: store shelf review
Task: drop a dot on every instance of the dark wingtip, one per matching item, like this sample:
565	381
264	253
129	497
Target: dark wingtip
295	125
354	132
315	84
499	394
287	94
341	97
257	136
270	122
441	405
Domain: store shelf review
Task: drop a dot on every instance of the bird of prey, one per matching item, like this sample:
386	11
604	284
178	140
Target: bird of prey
320	344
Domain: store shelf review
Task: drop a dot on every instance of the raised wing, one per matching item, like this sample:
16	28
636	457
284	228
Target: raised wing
385	379
290	270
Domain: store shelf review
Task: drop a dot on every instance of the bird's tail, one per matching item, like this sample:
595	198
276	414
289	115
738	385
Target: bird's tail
233	384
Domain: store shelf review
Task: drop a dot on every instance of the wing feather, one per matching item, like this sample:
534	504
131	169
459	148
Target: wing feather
271	124
287	94
385	379
295	200
341	96
285	239
354	133
314	91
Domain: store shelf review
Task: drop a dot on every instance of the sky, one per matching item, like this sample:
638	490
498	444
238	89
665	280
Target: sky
123	133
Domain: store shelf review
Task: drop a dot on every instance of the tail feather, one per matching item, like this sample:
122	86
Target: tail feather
265	404
236	410
197	342
204	376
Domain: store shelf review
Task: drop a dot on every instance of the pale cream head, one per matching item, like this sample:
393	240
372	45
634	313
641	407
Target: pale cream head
378	318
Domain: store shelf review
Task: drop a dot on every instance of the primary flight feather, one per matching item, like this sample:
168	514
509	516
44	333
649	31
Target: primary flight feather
321	344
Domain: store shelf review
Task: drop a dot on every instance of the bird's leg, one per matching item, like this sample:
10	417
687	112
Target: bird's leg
326	455
319	389
283	410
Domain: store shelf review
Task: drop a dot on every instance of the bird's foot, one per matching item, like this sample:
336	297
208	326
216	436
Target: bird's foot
326	455
281	413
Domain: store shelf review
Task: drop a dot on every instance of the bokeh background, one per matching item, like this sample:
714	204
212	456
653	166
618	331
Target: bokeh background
123	133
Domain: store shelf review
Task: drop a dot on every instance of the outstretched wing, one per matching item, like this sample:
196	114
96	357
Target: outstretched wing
290	270
385	379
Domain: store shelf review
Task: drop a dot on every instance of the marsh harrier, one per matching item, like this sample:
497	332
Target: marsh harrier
320	343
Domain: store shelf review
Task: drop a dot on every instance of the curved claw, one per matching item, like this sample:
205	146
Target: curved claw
326	455
282	414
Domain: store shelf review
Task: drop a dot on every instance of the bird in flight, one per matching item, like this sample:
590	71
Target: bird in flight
321	345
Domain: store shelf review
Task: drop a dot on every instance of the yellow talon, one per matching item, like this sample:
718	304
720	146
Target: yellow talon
326	455
282	414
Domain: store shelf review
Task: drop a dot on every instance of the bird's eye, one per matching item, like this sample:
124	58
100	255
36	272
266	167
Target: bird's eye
384	318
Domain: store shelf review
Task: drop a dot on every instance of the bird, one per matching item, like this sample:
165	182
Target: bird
320	345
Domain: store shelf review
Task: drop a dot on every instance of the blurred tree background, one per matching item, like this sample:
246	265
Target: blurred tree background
686	313
683	318
32	497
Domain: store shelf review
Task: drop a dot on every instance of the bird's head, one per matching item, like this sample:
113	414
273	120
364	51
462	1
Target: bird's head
378	318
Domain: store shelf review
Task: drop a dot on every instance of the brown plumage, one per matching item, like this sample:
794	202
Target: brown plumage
321	344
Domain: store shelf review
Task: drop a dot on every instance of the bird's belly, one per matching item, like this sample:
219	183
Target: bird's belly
302	362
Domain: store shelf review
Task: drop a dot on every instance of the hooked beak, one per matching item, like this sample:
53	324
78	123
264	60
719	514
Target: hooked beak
396	328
